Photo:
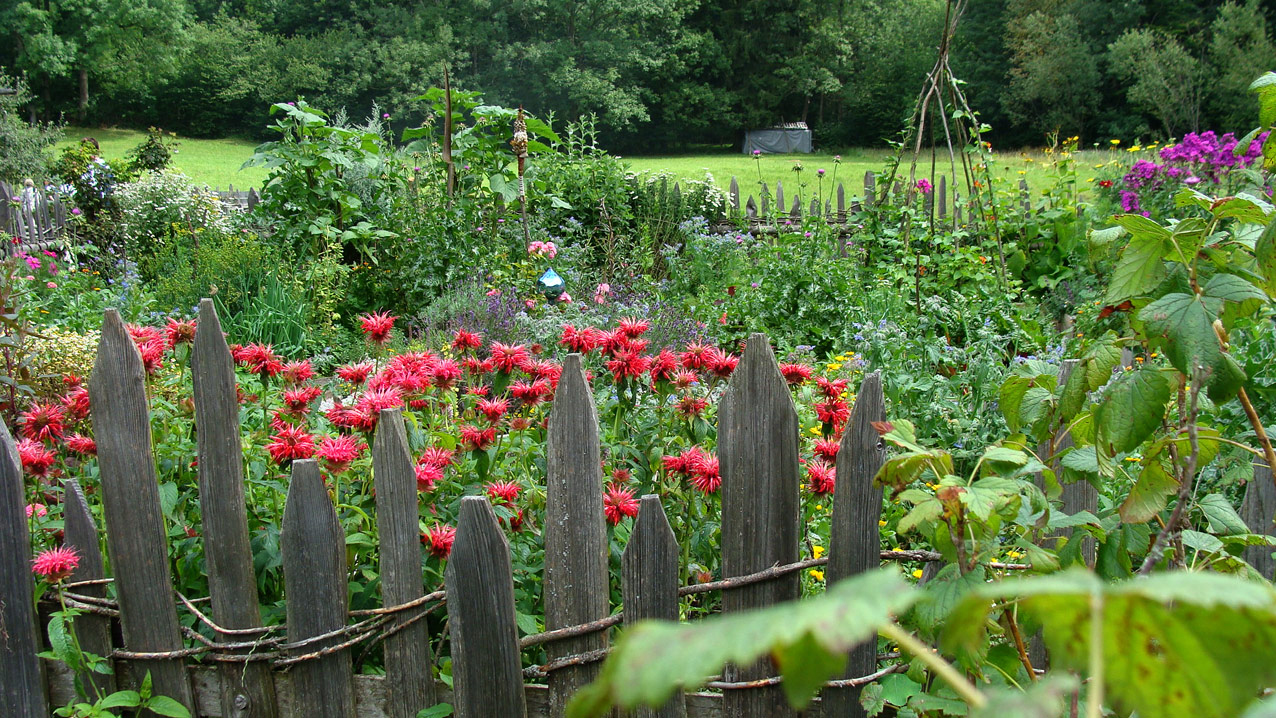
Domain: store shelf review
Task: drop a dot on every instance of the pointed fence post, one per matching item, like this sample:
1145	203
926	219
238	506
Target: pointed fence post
487	674
1257	511
314	555
779	196
758	447
870	189
135	533
246	689
409	671
942	193
94	631
734	192
576	579
21	676
841	203
649	574
766	202
855	544
750	208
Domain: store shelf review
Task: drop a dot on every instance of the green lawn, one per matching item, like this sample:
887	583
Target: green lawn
217	162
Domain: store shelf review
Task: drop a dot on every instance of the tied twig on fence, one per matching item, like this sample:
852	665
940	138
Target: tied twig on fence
373	628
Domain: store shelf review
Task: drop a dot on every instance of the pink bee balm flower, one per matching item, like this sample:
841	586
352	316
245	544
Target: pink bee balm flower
297	372
924	185
56	564
427	475
179	332
502	492
618	503
823	477
44	422
436	456
338	452
291	442
355	373
37	510
36	459
439	539
376	326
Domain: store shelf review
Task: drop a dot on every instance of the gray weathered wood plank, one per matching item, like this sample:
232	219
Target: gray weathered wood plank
649	580
21	676
576	580
314	558
1257	511
247	690
135	535
407	652
487	673
870	189
855	543
779	196
734	192
81	532
758	447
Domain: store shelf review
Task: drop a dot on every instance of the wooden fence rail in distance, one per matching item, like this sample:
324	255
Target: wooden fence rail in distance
308	672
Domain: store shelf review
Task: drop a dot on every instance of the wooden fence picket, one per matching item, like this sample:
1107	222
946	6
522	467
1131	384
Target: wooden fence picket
758	449
649	578
247	690
1257	512
855	542
93	630
576	579
487	675
733	191
21	676
779	196
409	671
135	533
314	559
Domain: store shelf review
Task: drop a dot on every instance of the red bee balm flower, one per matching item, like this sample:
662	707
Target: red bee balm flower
355	373
55	564
260	359
493	409
81	444
464	340
376	326
446	373
439	539
832	389
502	492
720	363
664	366
296	372
827	449
705	474
634	328
298	401
796	374
179	332
690	406
36	459
338	452
152	355
508	358
695	356
427	475
579	340
833	411
435	456
478	439
619	502
44	422
628	364
823	477
292	442
76	402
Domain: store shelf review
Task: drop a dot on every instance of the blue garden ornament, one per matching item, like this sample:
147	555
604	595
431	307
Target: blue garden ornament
551	285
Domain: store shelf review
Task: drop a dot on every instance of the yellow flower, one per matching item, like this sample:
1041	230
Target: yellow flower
898	549
1135	459
1014	554
817	551
814	430
881	522
917	573
1022	172
1153	355
833	367
1098	167
1114	143
817	574
1090	180
819	507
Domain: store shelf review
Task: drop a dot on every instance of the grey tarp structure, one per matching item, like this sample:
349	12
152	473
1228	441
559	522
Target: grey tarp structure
794	137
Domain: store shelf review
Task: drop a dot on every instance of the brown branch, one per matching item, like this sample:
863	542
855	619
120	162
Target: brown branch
1268	453
1171	527
841	683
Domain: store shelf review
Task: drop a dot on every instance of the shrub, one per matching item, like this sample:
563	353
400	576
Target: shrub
23	146
163	206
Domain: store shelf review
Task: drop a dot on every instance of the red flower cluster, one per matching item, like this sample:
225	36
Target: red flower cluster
464	341
56	564
179	331
338	452
36	459
376	326
619	502
257	358
438	540
823	477
44	422
699	466
289	443
795	374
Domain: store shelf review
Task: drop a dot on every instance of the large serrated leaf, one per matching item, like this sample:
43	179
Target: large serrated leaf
1140	269
1182	325
1150	493
1232	288
1132	409
655	658
1265	253
1174	645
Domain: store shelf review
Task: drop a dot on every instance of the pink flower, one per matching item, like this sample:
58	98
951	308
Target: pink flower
44	422
529	303
464	340
51	285
179	332
795	374
55	564
296	372
439	539
338	452
376	326
924	185
823	477
601	293
619	502
565	298
355	373
291	442
446	373
427	475
81	444
436	456
36	459
37	510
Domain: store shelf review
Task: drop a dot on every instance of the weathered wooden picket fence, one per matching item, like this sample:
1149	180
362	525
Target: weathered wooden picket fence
836	205
29	215
308	672
251	671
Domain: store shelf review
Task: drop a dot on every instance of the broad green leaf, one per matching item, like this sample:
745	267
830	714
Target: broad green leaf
1150	493
1243	207
942	593
1233	288
871	699
655	658
439	710
1004	455
1132	409
59	639
1182	326
1010	397
1139	226
1198	541
923	512
1222	518
1265	253
898	688
1141	268
1035	407
1174	645
1083	460
805	665
1042	699
165	706
122	699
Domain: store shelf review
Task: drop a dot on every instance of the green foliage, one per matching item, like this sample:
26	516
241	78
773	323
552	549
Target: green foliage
23	146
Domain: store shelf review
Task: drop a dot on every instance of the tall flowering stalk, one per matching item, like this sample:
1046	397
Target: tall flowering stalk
519	143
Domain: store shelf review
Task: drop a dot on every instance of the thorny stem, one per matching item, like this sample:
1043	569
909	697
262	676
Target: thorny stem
942	668
1171	527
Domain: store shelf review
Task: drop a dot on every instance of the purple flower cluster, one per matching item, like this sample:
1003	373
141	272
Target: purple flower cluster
1197	158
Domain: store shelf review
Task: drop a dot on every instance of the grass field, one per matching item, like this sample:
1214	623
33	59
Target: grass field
217	162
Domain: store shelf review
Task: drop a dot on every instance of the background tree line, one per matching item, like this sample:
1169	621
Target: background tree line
659	74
